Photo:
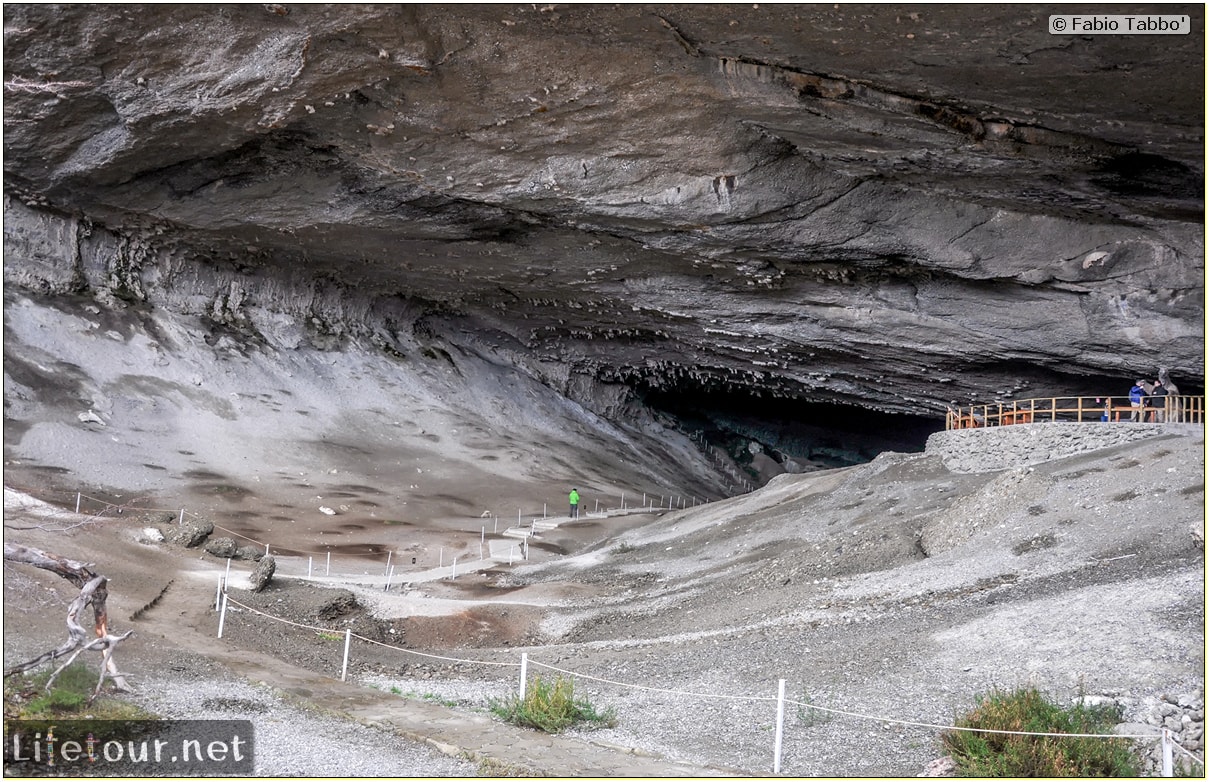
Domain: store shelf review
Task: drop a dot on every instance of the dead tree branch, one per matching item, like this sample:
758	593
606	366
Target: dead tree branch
94	590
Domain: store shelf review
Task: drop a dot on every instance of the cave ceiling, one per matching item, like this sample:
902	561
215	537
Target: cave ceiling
896	207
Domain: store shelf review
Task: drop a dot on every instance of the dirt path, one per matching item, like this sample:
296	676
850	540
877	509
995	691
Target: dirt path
185	617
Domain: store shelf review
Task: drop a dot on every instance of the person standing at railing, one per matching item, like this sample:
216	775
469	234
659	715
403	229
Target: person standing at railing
1158	401
1174	403
573	498
1137	400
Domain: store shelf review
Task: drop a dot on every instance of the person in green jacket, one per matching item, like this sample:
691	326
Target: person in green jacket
574	498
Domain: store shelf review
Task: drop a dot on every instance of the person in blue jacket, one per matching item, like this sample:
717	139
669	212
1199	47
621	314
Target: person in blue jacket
1137	400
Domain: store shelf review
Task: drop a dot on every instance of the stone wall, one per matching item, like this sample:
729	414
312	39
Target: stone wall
1006	447
1184	716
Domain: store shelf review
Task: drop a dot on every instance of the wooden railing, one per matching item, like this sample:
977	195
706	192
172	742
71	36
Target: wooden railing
1113	409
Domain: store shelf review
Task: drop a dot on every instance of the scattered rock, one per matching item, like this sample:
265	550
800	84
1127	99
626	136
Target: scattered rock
1184	716
151	535
941	767
341	604
90	418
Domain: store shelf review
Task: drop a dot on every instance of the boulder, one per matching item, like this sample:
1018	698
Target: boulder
190	532
221	547
251	553
262	574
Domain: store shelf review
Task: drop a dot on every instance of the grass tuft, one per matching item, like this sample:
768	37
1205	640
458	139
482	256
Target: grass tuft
550	707
1026	710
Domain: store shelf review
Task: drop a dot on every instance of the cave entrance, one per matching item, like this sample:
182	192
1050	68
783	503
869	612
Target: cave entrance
766	436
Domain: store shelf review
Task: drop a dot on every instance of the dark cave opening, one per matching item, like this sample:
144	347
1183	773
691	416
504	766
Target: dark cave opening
765	436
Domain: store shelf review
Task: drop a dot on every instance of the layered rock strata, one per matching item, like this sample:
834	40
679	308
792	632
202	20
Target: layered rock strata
891	210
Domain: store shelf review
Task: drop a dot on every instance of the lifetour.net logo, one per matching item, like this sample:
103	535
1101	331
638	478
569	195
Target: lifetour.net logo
128	748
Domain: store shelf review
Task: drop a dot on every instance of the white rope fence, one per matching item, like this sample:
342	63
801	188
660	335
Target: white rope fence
1169	745
290	561
517	551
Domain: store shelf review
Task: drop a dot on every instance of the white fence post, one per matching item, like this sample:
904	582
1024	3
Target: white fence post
453	570
181	520
329	564
1167	764
310	561
222	615
77	502
524	672
348	637
776	763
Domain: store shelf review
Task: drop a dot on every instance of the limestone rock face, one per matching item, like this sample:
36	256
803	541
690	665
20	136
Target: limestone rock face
885	207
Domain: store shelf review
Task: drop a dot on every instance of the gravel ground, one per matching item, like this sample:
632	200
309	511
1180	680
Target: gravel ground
292	739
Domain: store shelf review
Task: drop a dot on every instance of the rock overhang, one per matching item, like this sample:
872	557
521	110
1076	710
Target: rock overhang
893	208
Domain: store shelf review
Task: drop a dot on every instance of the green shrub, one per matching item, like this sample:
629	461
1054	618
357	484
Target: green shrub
550	706
1007	755
810	716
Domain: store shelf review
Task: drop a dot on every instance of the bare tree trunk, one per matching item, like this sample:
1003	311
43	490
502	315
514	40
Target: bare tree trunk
93	590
